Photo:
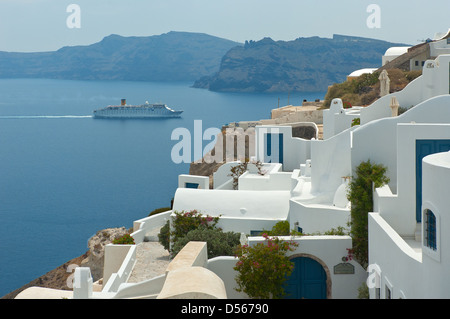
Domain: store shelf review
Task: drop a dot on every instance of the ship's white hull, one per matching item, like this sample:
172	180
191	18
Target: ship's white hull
138	111
139	116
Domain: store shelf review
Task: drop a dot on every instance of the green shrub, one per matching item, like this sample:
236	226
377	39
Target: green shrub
365	89
412	75
356	121
279	229
124	240
264	268
164	236
361	197
183	223
219	243
363	291
339	231
349	99
337	90
363	83
370	96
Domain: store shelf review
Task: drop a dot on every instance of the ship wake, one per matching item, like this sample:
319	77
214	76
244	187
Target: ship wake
46	117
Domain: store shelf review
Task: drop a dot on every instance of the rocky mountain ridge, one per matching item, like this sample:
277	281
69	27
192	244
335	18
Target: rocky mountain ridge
173	56
302	65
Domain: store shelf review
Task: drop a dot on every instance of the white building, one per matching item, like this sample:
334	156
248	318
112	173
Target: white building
358	73
407	238
414	58
393	53
305	182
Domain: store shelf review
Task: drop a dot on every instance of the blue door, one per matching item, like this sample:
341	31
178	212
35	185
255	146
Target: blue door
307	281
424	148
274	148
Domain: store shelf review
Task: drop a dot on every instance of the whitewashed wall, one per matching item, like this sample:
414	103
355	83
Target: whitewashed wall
392	144
223	267
295	150
202	181
330	161
399	263
314	218
436	263
221	177
239	211
267	182
329	250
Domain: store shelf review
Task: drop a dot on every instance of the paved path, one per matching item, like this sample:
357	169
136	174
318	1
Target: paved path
151	259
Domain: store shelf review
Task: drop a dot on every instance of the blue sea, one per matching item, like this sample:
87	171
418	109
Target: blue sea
65	175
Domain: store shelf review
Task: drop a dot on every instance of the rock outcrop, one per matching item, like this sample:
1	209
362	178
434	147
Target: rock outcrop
60	277
96	245
302	65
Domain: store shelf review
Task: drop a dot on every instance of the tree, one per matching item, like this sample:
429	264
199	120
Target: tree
263	268
360	195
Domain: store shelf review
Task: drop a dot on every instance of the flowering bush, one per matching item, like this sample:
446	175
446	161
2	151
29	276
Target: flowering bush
349	255
356	121
263	268
182	224
124	240
347	104
187	221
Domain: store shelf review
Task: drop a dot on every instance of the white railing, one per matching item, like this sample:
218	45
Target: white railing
114	256
142	226
120	261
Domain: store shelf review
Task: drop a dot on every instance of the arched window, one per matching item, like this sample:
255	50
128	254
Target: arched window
430	229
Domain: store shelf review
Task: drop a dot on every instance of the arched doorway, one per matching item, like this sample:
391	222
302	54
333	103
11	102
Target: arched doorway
309	279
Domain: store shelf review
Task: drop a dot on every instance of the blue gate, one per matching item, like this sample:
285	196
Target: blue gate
307	281
424	148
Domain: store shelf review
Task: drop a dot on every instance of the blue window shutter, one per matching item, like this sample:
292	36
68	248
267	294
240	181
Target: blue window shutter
430	229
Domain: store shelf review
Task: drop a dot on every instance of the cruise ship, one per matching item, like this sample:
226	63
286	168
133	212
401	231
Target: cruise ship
146	110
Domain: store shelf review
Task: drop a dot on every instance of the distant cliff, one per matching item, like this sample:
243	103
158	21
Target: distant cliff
304	65
174	56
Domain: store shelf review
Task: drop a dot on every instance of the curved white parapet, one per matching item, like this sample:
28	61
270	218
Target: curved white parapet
228	203
44	293
193	283
435	201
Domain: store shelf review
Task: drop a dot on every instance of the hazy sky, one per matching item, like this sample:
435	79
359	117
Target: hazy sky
41	25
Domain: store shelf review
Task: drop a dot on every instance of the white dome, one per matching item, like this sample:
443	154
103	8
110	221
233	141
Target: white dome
234	203
396	51
361	72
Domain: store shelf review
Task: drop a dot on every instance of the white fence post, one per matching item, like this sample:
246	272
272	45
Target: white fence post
83	283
